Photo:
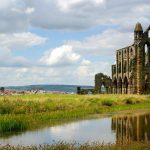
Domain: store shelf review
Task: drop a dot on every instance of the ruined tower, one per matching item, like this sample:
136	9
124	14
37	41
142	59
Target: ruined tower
139	59
131	73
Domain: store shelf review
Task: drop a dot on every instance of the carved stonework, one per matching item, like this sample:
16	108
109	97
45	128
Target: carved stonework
132	65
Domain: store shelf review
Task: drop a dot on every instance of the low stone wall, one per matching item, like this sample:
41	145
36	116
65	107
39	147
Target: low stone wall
81	91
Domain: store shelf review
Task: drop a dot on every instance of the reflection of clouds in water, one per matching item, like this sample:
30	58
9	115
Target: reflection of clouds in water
85	131
28	138
67	131
97	130
71	126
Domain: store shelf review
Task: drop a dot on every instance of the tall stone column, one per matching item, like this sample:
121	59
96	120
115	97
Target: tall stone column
139	69
138	38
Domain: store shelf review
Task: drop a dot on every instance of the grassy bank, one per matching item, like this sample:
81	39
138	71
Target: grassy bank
63	146
19	113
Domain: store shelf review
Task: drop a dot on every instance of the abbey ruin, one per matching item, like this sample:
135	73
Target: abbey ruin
131	73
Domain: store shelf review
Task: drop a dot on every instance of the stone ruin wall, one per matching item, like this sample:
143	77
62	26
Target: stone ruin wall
131	73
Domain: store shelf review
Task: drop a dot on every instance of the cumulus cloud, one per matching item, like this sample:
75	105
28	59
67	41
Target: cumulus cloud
20	40
83	14
72	61
13	21
61	56
9	42
79	60
103	44
72	15
82	74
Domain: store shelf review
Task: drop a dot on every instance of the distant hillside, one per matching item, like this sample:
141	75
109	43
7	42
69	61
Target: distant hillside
61	88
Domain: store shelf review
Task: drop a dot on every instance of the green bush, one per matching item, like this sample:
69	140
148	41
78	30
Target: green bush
130	101
107	103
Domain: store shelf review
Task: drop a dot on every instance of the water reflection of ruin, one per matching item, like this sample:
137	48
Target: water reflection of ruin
132	128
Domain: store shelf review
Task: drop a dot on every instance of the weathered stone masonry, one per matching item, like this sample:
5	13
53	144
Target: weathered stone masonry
131	73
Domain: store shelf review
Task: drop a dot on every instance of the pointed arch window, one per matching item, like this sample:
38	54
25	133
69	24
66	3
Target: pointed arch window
146	48
125	67
146	53
119	67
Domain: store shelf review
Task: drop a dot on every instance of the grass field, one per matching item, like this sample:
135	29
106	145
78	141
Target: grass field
27	112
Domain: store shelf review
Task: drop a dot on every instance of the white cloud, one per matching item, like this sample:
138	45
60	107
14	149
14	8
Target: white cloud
7	60
8	42
86	73
29	10
65	4
78	60
85	62
81	74
7	3
73	61
11	18
104	44
61	56
83	14
20	40
72	15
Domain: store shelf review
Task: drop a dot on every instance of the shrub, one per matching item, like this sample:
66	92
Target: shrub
107	103
130	101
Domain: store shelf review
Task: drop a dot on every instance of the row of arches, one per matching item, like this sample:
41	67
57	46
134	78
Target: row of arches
105	89
125	85
126	67
122	86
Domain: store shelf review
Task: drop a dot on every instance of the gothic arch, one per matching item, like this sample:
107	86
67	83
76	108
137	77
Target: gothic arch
125	84
146	48
115	85
119	67
147	53
131	51
102	81
125	67
131	84
120	85
147	81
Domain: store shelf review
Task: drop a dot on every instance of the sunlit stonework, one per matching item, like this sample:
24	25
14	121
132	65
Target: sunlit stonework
131	73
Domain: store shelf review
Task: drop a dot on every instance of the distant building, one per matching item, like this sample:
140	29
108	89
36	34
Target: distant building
131	73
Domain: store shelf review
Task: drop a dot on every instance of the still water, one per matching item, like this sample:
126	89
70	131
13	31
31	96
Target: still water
112	129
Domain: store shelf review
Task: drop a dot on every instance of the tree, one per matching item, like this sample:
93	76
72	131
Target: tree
2	89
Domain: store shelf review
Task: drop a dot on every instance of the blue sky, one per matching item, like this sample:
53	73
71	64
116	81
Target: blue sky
64	42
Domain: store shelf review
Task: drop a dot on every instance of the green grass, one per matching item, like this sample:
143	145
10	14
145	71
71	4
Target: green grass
27	112
75	146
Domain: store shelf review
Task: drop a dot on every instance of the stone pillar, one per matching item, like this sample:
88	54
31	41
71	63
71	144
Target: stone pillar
139	69
129	89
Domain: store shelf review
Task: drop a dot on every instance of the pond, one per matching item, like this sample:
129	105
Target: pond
110	129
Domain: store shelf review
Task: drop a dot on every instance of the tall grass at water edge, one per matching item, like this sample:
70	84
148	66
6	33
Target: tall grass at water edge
22	112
